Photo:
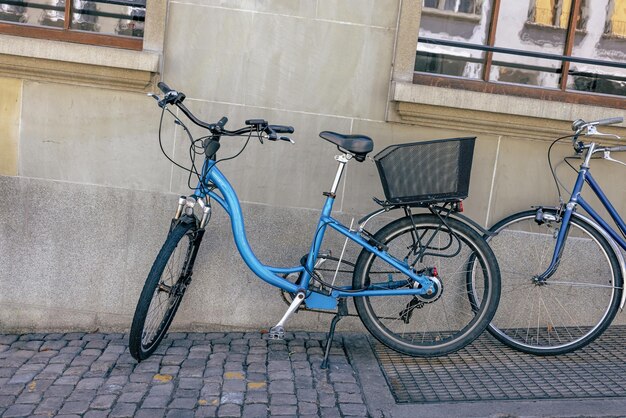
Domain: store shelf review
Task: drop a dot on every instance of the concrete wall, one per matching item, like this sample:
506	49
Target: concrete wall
86	196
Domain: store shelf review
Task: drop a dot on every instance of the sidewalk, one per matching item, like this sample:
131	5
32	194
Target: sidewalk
227	375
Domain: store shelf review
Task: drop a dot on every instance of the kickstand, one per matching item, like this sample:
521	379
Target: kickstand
342	310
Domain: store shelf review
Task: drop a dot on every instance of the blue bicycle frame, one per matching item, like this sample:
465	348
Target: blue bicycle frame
227	198
576	199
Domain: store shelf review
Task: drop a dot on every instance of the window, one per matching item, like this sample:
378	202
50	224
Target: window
616	25
528	48
117	23
456	6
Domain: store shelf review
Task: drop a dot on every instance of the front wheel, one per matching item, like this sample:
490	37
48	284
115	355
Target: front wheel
163	291
449	319
574	305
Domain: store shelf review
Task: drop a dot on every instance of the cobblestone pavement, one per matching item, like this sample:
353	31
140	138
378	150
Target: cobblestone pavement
190	375
230	375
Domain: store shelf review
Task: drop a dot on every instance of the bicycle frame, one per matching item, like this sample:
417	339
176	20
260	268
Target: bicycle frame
228	200
584	176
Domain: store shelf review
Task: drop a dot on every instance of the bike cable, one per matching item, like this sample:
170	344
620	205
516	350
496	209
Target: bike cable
557	183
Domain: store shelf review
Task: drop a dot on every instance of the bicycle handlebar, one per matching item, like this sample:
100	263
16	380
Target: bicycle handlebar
580	124
171	96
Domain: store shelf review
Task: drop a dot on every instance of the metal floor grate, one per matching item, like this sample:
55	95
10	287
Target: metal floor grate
488	370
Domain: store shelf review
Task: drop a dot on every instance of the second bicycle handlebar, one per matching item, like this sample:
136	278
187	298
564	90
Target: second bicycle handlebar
580	124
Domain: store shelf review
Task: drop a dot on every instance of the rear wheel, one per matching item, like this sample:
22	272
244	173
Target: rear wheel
163	291
573	306
447	320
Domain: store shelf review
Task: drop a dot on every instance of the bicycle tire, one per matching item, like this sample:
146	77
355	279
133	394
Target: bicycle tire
166	278
445	323
577	303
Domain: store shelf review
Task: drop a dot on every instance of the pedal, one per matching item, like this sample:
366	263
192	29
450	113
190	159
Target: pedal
277	333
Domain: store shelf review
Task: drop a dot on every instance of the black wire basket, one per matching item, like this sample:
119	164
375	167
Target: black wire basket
426	172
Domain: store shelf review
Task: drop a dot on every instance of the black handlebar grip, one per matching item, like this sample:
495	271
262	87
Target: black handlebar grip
282	129
609	121
164	87
222	122
256	122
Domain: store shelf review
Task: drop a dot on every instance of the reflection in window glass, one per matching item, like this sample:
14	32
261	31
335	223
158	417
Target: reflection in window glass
515	32
529	44
554	13
601	41
457	6
110	17
447	60
616	23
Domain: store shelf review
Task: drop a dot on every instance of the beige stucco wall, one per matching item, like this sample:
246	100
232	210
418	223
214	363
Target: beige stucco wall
10	107
88	200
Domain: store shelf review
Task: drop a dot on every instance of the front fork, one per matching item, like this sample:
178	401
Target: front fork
186	206
185	213
562	216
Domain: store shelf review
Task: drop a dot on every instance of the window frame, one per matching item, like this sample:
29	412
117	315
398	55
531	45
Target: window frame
485	85
45	60
67	34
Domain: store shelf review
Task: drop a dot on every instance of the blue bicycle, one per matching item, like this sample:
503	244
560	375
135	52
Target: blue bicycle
562	271
412	280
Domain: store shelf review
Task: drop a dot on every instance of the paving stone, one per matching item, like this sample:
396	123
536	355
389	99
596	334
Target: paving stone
155	402
90	383
18	410
229	410
276	410
234	385
183	403
255	410
74	407
82	395
22	378
327	399
206	411
304	395
131	397
281	386
232	397
307	408
29	397
180	413
353	409
283	399
123	410
256	397
59	390
49	406
330	413
8	339
97	413
150	413
103	402
349	397
11	389
186	393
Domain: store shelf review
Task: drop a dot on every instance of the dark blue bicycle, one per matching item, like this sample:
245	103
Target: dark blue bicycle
412	279
562	271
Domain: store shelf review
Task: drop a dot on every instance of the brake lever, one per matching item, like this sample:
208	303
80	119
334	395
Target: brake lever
607	156
593	130
154	96
284	138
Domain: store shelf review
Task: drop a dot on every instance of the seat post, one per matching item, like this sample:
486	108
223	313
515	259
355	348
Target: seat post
343	160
